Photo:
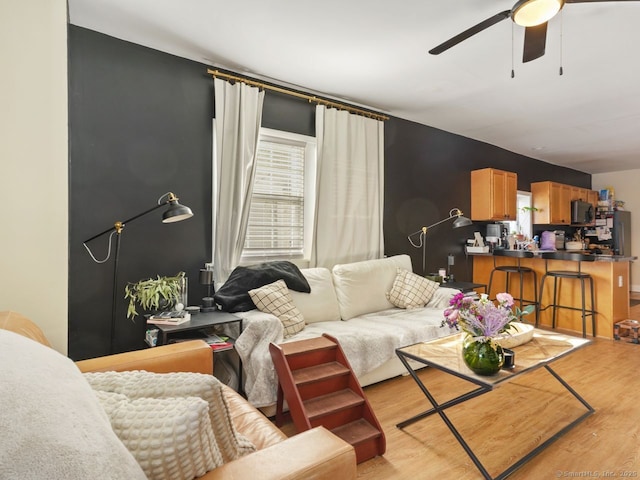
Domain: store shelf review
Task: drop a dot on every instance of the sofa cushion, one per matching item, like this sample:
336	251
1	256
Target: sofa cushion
275	298
361	287
321	304
410	290
52	423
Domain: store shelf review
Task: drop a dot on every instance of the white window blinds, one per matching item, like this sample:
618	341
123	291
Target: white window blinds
276	218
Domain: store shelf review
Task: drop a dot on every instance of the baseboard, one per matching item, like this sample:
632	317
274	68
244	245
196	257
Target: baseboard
635	288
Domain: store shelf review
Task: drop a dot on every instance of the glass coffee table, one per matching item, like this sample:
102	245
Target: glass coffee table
446	354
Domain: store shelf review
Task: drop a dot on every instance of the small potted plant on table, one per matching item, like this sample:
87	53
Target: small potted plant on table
155	294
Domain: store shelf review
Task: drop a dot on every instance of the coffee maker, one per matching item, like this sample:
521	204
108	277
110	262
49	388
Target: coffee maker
496	235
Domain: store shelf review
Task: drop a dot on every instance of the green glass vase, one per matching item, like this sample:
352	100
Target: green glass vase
482	357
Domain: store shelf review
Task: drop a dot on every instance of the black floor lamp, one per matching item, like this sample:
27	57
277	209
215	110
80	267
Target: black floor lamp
460	221
174	213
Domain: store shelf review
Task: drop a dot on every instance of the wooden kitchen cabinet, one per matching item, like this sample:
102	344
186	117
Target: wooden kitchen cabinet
578	193
585	195
553	203
493	195
589	196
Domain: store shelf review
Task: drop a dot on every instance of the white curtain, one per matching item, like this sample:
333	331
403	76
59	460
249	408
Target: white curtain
238	109
350	188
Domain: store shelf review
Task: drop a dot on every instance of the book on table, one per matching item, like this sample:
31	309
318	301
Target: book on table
218	342
169	318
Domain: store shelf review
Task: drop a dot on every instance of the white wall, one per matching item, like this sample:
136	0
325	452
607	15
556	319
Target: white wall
625	185
34	164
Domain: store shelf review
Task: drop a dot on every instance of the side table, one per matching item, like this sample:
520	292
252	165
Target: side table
201	321
465	287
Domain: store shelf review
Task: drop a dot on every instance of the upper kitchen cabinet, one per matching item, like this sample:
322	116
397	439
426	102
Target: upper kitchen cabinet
493	195
552	203
583	194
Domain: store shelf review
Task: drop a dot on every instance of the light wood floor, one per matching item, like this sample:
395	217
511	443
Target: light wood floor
503	425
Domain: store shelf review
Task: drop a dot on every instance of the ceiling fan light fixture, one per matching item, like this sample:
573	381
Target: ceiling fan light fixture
530	13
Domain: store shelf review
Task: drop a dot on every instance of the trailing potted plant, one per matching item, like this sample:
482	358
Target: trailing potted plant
529	209
154	294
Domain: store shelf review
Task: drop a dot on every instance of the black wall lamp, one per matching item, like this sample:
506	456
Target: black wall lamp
175	212
459	220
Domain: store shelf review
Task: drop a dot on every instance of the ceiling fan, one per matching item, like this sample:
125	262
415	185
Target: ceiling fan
531	14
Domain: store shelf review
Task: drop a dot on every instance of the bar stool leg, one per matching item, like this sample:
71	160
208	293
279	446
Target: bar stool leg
535	295
555	301
507	283
584	309
488	291
544	277
593	310
521	287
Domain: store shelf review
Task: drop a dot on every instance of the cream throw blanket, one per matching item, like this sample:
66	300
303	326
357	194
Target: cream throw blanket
368	341
176	425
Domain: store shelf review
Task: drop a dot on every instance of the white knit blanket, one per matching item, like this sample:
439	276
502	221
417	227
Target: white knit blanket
368	342
176	425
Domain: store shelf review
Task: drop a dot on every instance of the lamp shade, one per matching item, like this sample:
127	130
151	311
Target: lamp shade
176	212
461	222
530	13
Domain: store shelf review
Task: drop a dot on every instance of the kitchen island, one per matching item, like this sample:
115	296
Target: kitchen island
610	275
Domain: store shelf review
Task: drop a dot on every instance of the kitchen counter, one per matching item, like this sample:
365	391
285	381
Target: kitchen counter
610	274
599	257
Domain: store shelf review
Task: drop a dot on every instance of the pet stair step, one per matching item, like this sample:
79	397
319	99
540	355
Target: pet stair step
331	403
318	373
357	432
367	440
309	352
306	346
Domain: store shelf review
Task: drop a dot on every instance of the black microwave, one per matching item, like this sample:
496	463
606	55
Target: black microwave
581	212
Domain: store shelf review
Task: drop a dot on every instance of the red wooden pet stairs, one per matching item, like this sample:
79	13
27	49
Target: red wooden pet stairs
321	390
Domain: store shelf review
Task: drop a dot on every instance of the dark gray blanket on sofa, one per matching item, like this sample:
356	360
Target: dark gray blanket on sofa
233	296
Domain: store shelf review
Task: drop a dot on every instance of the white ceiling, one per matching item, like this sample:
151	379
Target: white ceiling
373	53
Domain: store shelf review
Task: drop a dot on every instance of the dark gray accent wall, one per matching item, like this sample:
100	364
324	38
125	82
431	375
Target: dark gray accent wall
428	172
140	125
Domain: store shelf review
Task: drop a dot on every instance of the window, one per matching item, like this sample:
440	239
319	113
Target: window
522	225
282	204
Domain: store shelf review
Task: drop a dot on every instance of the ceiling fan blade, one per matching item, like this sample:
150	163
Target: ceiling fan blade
470	32
535	39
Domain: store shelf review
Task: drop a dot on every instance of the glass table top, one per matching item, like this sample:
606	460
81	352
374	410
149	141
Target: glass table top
446	354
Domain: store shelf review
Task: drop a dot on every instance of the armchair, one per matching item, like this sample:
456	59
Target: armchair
314	454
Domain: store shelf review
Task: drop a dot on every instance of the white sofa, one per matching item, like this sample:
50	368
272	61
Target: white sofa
350	303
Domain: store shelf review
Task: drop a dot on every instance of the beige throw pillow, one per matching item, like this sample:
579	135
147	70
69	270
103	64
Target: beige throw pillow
410	290
276	299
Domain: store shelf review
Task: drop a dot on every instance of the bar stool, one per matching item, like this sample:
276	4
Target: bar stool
519	270
574	275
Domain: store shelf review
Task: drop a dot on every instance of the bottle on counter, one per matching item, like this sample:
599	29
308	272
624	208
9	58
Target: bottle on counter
536	242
